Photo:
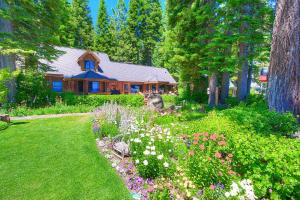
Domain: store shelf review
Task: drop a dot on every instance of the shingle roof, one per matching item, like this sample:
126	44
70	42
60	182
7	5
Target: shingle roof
67	65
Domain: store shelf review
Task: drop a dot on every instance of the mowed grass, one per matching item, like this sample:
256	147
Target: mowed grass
55	159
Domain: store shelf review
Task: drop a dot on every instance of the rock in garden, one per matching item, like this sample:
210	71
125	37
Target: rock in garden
5	118
155	102
296	135
122	148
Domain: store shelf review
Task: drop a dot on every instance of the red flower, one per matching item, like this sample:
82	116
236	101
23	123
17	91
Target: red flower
218	155
213	137
202	147
212	187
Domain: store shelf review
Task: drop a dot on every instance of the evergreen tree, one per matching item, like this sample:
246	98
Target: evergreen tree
83	28
104	31
120	32
66	29
151	29
134	23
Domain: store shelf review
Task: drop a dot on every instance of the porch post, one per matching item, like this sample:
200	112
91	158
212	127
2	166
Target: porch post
157	89
85	87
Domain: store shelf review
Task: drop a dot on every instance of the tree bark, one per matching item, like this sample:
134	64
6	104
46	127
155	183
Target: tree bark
7	60
243	55
284	73
213	81
250	71
225	87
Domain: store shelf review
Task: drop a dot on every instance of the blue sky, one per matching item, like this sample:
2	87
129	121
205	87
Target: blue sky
110	4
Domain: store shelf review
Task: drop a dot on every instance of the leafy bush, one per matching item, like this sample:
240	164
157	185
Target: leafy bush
99	100
3	125
261	120
210	160
270	161
33	89
152	151
170	100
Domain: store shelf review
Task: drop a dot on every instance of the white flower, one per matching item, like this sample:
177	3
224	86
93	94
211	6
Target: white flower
152	139
142	135
145	162
114	165
146	152
137	140
137	161
227	194
160	157
147	147
131	140
152	148
166	165
153	153
134	152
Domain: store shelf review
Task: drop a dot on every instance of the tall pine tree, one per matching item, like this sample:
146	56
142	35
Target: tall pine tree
104	30
83	28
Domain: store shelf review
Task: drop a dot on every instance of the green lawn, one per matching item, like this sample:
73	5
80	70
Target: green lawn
55	159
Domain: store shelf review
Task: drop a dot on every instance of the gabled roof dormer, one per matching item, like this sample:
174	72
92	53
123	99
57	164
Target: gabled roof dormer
87	60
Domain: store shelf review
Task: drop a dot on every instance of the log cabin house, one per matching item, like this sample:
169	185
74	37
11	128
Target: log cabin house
86	72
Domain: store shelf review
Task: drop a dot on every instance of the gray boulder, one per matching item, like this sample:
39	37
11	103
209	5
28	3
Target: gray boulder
155	102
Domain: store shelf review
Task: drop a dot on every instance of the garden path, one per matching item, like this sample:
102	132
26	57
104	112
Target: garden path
49	116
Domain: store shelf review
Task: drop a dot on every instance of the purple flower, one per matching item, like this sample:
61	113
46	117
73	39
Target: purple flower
200	193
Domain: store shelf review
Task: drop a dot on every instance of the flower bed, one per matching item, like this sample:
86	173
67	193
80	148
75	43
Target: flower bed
165	164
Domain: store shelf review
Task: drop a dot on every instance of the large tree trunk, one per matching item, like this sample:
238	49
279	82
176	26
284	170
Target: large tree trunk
7	60
284	73
243	55
213	81
250	70
225	87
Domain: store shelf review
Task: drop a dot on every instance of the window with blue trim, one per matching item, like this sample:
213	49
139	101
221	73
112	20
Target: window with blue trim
89	65
57	86
94	87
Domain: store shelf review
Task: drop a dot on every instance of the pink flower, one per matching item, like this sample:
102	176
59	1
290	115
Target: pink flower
212	187
222	161
222	143
205	134
205	139
213	137
230	155
202	147
231	172
195	142
209	158
218	155
191	153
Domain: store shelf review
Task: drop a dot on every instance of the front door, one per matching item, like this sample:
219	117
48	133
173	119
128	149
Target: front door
80	86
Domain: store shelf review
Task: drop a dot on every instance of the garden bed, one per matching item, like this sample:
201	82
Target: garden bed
207	158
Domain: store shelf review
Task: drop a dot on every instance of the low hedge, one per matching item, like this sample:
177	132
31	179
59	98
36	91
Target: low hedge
98	100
